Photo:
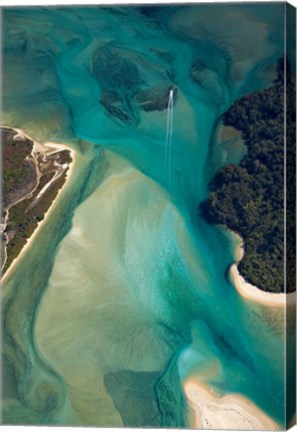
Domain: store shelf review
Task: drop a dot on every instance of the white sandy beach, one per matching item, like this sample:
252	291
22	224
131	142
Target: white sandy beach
57	147
251	292
233	411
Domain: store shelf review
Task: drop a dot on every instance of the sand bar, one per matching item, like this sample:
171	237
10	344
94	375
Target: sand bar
207	410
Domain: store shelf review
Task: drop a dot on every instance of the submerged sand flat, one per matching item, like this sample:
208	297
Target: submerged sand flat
99	316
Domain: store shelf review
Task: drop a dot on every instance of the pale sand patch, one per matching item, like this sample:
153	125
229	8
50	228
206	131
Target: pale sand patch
233	411
42	147
251	292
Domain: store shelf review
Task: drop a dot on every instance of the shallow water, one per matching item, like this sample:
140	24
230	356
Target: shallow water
124	293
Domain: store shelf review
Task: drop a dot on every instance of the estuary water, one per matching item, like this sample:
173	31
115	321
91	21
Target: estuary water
124	291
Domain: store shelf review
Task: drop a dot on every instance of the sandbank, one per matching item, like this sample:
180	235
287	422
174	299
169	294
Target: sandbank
233	411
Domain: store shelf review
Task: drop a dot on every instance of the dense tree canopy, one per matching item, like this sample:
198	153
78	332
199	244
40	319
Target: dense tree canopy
249	198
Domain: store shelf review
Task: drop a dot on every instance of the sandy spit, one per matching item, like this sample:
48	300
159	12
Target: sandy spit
230	412
47	146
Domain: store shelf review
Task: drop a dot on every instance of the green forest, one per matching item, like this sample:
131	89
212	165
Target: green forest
249	198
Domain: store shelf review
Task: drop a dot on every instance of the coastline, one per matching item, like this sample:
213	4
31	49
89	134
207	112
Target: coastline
207	410
56	147
251	292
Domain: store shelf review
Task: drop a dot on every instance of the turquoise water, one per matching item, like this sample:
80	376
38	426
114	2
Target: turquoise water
124	292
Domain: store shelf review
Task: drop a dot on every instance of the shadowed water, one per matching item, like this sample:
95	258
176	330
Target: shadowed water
124	292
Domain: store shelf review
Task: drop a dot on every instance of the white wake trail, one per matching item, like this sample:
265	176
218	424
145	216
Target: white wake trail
168	141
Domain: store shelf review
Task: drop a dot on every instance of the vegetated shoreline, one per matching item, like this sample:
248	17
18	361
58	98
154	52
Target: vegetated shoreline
208	410
251	292
248	198
49	145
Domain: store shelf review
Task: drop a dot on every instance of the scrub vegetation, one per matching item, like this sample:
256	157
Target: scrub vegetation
25	203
